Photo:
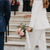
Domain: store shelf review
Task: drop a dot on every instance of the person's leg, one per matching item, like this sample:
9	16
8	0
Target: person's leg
28	6
34	37
1	40
20	9
24	5
42	41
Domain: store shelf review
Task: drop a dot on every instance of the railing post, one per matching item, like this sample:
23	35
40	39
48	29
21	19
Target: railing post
6	36
14	12
7	32
8	28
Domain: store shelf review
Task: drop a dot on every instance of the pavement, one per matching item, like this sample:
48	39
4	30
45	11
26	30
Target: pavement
18	48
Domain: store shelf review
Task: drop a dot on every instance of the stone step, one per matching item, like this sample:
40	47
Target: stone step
19	20
23	15
12	33
15	33
19	17
16	30
25	12
15	38
19	48
14	43
19	43
12	12
15	25
48	13
47	37
18	37
47	33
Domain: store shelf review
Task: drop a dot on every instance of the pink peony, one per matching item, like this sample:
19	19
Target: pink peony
21	33
17	2
18	30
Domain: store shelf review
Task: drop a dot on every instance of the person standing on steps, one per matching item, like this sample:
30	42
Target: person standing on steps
14	5
39	23
5	11
20	9
26	5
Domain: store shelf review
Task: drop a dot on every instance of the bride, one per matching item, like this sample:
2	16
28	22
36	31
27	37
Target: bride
39	23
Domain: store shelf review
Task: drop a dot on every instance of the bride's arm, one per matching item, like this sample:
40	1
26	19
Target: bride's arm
35	8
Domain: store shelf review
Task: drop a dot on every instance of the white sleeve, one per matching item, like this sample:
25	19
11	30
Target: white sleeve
35	8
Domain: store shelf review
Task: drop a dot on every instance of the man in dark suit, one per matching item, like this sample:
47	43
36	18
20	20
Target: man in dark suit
26	5
5	11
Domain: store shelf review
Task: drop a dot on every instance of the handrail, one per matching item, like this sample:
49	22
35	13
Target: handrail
7	32
8	28
6	37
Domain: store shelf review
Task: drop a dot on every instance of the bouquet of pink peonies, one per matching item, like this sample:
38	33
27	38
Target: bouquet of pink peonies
22	30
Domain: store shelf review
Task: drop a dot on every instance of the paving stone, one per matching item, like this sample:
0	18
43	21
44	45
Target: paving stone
18	48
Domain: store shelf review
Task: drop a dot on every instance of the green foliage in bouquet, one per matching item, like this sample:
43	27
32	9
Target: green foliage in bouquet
23	27
31	30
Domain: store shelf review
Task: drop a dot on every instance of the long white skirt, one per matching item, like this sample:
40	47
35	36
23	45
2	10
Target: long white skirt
37	36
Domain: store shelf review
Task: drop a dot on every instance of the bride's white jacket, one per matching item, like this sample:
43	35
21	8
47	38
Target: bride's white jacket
38	17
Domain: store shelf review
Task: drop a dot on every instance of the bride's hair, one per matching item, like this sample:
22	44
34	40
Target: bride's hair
45	3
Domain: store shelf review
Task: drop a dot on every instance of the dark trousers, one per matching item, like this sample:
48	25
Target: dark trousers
26	5
1	40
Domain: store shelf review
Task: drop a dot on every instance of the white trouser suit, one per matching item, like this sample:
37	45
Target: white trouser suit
20	9
39	23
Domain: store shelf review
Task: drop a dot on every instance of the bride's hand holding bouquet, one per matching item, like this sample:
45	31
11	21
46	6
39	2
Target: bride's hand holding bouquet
21	31
29	29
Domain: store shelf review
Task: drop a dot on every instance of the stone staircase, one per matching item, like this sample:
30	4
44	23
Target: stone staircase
13	38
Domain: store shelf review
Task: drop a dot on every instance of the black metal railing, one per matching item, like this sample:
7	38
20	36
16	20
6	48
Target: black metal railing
7	32
6	37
